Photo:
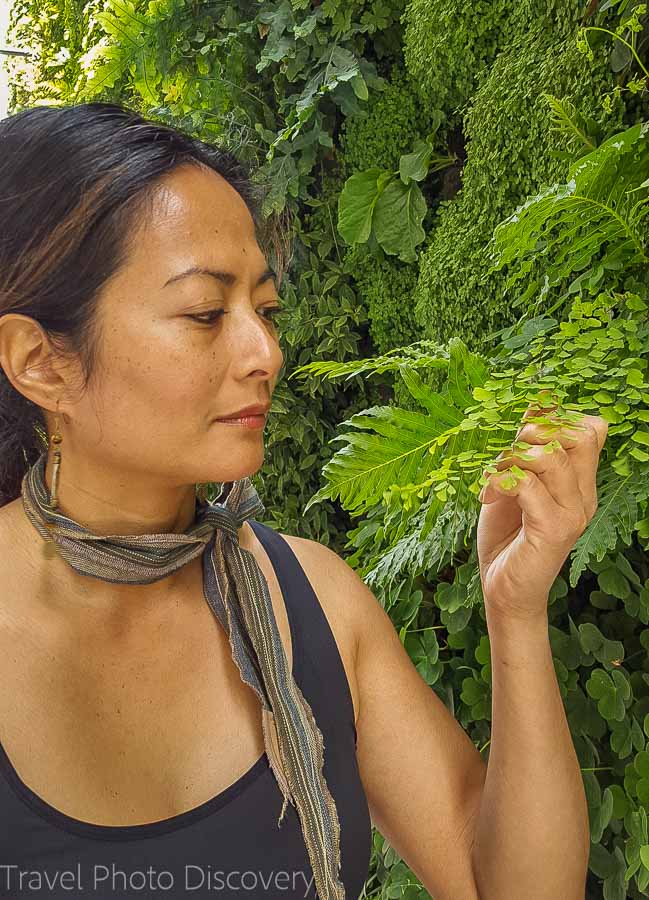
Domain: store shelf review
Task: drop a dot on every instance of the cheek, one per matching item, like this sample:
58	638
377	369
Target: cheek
150	379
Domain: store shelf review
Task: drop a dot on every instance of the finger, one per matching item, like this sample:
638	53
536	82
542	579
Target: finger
538	509
551	463
570	432
582	444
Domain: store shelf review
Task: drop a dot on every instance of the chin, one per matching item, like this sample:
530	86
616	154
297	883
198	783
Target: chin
234	472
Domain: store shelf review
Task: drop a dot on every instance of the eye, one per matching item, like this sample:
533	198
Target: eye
270	312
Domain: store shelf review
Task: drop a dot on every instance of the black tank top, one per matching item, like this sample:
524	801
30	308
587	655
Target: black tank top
228	847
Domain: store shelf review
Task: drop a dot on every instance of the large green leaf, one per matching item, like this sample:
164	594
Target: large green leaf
398	215
356	205
414	166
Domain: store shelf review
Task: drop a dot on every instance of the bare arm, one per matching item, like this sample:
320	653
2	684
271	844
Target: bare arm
515	828
532	835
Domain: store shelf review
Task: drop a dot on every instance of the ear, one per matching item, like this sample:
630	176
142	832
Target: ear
28	360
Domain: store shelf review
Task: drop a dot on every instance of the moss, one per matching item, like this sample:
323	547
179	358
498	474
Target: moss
395	119
386	287
510	149
450	44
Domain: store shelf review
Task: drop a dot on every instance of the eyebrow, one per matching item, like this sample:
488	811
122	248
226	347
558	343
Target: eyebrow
228	278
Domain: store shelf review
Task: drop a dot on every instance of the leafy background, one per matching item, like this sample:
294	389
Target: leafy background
465	189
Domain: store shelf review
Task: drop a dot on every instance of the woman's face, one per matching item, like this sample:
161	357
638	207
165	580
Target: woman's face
148	419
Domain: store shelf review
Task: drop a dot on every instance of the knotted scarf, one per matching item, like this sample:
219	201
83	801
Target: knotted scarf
237	592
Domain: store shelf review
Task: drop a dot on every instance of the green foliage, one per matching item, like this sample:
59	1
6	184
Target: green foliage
583	131
385	287
450	45
393	121
389	206
55	35
401	457
592	223
280	75
413	477
456	293
630	39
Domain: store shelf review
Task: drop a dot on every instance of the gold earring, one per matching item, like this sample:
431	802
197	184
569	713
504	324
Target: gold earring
49	547
55	441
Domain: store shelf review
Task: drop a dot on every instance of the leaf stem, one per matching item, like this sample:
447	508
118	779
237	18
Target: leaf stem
626	44
427	628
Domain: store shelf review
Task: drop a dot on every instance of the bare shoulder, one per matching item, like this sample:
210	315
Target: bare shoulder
344	593
334	583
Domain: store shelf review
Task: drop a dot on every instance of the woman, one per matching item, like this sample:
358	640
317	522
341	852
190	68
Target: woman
146	749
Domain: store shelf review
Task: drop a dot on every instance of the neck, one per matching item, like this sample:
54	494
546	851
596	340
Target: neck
101	503
51	591
108	502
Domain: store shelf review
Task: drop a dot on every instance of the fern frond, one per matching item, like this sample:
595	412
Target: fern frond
391	361
406	555
396	453
597	213
566	119
615	518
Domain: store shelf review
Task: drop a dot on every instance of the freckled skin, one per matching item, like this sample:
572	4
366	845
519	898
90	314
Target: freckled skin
142	435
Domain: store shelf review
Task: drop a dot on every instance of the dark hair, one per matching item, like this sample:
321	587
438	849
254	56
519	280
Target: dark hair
75	181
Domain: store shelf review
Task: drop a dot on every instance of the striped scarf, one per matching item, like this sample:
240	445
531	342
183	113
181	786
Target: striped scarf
237	592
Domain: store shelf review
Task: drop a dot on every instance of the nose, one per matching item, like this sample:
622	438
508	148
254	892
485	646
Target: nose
255	340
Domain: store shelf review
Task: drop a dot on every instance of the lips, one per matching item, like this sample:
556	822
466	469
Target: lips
258	409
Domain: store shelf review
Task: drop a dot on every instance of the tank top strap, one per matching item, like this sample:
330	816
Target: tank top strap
317	665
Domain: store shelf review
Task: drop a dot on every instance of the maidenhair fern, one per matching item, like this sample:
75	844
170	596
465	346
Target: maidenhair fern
424	469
